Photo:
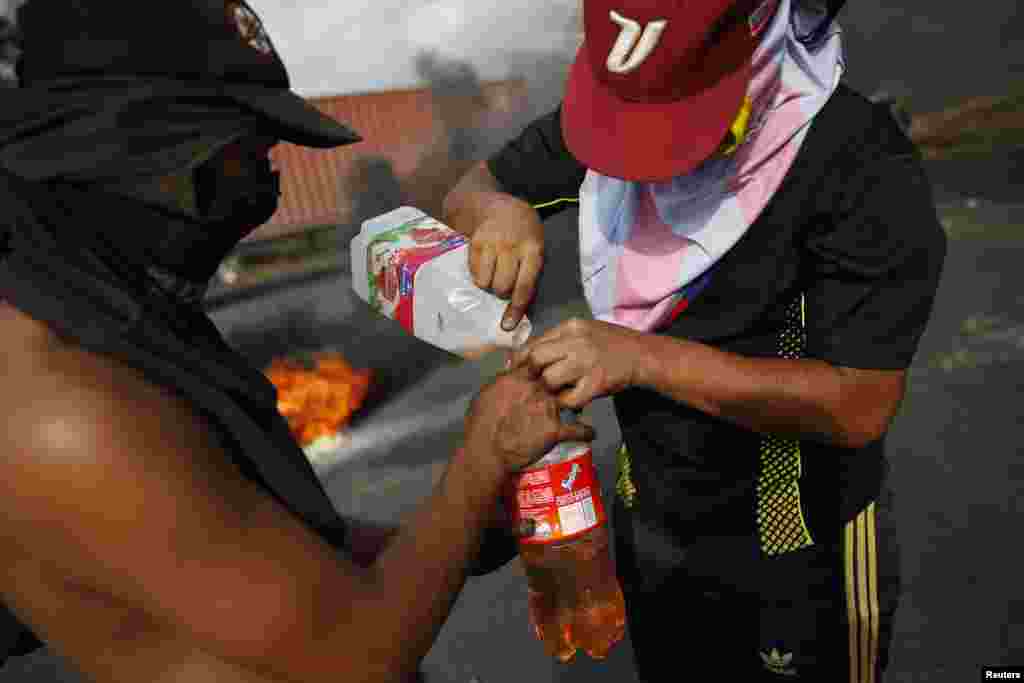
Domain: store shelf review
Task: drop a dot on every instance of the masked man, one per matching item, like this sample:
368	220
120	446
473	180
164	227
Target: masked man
159	522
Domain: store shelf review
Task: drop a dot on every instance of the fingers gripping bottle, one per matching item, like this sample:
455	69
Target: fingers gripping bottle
414	269
574	595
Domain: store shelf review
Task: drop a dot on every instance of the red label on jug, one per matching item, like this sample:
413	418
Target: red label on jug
392	259
564	500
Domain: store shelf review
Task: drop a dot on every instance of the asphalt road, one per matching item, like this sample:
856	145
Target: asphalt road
937	52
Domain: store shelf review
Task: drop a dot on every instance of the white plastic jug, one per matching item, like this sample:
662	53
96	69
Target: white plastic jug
414	269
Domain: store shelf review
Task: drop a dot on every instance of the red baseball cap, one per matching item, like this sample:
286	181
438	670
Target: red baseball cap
657	83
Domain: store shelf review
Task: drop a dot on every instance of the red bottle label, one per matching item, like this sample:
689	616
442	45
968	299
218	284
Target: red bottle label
564	500
394	257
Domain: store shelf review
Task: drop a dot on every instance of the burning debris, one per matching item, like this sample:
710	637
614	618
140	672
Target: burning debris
318	402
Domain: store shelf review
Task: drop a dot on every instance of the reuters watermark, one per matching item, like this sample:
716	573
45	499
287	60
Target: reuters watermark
1002	673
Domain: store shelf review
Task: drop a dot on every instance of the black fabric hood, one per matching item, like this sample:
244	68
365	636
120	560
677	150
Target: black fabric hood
75	258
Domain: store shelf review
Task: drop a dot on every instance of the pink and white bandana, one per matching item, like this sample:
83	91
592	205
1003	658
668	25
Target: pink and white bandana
647	249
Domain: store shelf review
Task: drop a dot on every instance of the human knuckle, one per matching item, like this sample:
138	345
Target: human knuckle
575	325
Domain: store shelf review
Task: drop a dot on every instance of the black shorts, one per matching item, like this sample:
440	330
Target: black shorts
718	609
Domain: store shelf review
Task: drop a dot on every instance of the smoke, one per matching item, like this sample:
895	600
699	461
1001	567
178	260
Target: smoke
376	189
461	136
458	98
479	31
333	48
460	101
454	47
496	41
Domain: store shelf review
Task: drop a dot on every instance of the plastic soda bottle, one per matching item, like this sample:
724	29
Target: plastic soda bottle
574	595
411	268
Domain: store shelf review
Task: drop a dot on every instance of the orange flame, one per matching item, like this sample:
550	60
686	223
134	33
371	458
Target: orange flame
319	402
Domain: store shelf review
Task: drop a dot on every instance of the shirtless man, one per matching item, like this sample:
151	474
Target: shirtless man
142	537
142	554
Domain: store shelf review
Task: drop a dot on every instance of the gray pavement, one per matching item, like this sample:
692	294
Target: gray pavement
938	53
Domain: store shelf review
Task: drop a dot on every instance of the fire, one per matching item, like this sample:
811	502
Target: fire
319	402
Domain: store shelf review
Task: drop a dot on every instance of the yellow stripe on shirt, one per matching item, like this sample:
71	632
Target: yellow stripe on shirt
556	201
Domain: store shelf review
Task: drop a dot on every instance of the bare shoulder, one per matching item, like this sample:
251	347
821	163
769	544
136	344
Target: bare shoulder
82	429
120	485
57	388
20	332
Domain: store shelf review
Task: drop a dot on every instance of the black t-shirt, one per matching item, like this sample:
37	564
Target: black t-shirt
842	266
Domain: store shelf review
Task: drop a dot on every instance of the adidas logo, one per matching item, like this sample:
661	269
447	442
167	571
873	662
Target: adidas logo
778	663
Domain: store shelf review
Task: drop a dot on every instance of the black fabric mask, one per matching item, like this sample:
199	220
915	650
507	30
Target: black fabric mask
207	214
116	137
109	269
248	200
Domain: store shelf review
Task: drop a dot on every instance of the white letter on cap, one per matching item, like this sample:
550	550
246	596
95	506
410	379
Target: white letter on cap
617	62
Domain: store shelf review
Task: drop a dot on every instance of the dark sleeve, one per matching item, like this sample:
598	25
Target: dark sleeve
875	266
537	167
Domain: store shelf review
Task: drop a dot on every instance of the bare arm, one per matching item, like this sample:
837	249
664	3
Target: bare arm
806	398
802	398
120	486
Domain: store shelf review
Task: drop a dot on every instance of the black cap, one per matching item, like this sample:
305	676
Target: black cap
209	42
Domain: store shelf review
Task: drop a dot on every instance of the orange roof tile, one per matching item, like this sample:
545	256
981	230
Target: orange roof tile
397	125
